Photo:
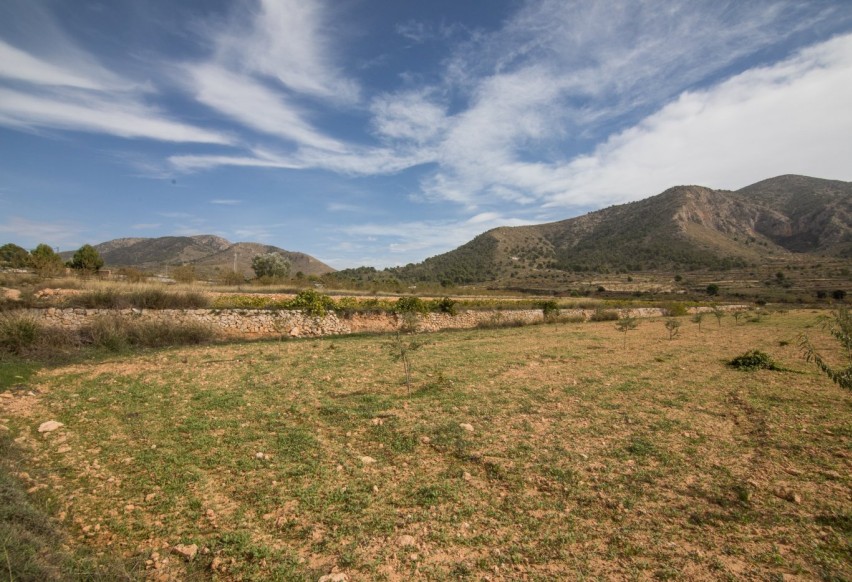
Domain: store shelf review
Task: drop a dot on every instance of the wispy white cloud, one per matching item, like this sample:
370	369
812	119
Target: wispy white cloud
255	105
402	242
291	41
97	114
62	233
792	117
226	201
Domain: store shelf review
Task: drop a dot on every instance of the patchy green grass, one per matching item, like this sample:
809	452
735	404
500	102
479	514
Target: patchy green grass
284	460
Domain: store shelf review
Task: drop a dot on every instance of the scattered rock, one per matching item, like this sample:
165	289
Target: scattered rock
187	552
367	460
150	497
260	456
6	394
63	449
405	541
377	422
49	426
466	426
334	577
467	476
788	495
4	428
216	564
295	332
425	440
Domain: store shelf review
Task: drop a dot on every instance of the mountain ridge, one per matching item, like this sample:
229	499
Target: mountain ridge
209	254
684	228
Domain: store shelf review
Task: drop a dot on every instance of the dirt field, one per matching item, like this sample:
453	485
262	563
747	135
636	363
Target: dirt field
539	453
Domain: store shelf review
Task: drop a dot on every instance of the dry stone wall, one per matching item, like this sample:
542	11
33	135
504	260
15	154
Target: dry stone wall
252	323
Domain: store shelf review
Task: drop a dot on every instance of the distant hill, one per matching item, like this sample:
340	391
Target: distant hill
685	228
209	254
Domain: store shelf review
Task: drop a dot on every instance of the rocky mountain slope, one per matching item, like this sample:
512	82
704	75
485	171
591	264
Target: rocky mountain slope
685	228
209	254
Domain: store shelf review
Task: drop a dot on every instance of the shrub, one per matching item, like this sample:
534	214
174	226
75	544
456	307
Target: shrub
87	258
272	266
625	324
410	304
312	303
116	333
445	305
754	360
675	309
18	333
184	274
550	309
604	315
22	334
712	289
142	299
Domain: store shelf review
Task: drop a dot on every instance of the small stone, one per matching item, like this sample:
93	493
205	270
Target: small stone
260	456
375	488
187	552
295	332
788	495
466	426
216	564
425	440
405	541
49	426
585	456
149	497
334	577
467	476
367	460
377	422
413	557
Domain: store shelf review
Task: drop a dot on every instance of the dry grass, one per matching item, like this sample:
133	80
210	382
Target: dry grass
585	460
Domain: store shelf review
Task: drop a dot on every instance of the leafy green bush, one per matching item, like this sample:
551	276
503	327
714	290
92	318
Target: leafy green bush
312	303
445	305
410	304
754	360
550	309
675	309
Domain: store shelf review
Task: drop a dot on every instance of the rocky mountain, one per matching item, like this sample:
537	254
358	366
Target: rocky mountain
685	228
209	254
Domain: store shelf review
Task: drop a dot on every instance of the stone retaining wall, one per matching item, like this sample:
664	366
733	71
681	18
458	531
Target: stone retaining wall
251	323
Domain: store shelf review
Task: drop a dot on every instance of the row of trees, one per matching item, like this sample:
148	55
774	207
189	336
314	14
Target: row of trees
45	261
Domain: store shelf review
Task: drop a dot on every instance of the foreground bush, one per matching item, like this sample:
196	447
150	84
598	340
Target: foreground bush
754	360
116	333
22	334
141	299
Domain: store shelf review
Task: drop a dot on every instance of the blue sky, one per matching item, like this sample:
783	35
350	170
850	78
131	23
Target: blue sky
381	132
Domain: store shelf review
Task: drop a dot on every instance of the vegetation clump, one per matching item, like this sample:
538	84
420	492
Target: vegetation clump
312	302
840	326
755	360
